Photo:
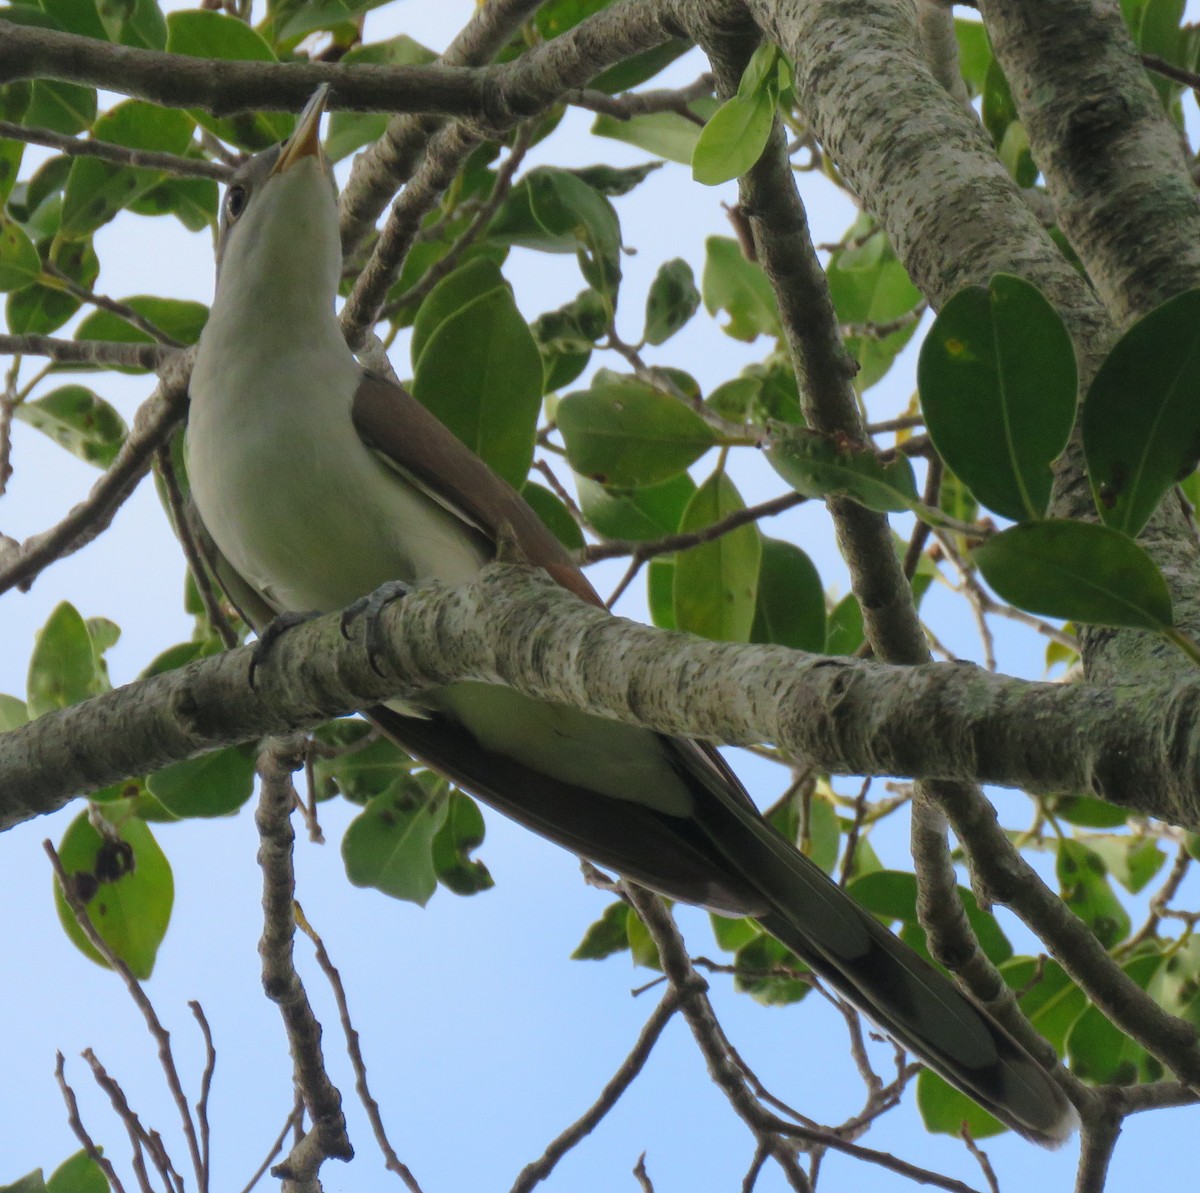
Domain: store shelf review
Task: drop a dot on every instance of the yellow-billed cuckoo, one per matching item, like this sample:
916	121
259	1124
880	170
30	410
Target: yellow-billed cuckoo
317	482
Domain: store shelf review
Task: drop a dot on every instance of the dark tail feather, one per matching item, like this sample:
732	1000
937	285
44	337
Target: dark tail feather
903	994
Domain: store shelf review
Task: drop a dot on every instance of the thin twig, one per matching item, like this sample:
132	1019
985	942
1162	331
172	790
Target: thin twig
80	1131
210	1064
191	550
370	1105
113	306
644	103
620	1081
138	1135
156	419
670	543
185	167
160	1034
985	1165
276	1148
446	264
277	798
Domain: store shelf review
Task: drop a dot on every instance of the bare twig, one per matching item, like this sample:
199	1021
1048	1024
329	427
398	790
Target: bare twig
80	1131
281	982
644	103
641	552
985	1165
391	1160
112	305
191	550
446	264
138	1135
643	1177
185	167
210	1064
276	1148
155	420
159	1033
533	1174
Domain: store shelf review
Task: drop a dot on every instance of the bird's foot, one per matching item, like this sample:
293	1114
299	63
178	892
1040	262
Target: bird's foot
369	608
271	633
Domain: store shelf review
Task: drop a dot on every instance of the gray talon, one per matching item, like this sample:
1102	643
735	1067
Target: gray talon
271	633
369	608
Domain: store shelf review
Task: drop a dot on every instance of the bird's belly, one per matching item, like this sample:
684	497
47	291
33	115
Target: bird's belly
315	521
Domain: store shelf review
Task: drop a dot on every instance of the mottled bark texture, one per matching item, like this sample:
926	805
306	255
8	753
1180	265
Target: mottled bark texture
516	627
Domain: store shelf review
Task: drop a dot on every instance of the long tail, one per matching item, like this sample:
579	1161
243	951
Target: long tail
894	987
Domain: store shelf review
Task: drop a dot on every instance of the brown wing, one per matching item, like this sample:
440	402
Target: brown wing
392	422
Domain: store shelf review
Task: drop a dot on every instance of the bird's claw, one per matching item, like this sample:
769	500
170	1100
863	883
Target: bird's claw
271	633
369	608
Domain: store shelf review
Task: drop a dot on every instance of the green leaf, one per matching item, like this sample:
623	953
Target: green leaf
638	514
31	1182
627	434
1132	861
178	317
1176	984
390	845
192	201
125	883
790	604
575	326
641	944
999	113
660	591
673	299
759	964
554	514
13	713
716	583
669	135
1048	997
1087	892
77	16
40	309
817	466
892	895
20	264
361	772
565	206
869	285
63	669
613	181
734	137
78	1174
1086	811
204	33
481	373
974	53
61	107
97	190
1100	1052
733	934
460	835
1077	571
844	633
740	289
608	935
215	784
998	389
475	279
79	420
138	23
944	1110
1141	417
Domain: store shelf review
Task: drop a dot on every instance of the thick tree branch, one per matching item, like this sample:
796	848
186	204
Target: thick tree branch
99	353
514	626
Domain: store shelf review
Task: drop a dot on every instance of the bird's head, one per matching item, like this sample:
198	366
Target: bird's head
279	218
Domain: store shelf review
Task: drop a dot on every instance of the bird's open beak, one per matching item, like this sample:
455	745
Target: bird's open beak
305	141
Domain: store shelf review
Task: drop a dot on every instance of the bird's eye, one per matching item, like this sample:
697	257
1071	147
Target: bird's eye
235	202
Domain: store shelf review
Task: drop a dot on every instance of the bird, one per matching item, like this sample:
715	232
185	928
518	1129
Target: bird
315	482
